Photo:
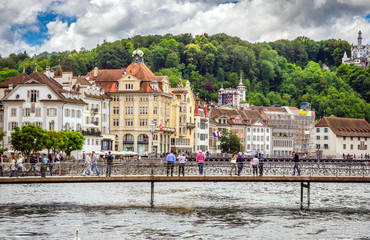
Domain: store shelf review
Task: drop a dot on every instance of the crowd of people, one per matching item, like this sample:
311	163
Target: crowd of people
51	164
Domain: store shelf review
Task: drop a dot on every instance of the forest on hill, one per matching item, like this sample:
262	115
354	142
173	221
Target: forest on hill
283	72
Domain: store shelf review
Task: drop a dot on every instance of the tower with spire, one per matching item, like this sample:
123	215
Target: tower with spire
360	54
232	96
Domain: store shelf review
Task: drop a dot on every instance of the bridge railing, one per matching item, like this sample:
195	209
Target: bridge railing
159	167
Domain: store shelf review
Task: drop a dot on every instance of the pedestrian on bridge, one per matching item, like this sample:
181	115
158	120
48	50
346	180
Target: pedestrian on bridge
13	165
170	160
94	163
20	161
200	160
296	164
233	163
44	164
88	164
50	163
33	162
254	164
109	158
260	164
240	161
182	160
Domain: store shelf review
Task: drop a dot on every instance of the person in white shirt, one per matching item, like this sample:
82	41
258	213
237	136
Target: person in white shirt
94	163
254	165
182	160
88	164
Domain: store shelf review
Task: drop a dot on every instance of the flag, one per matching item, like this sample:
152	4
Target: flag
214	134
160	127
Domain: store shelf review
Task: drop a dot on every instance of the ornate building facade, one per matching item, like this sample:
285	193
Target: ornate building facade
139	99
360	54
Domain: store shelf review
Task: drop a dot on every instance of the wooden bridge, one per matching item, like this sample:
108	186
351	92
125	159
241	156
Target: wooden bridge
303	180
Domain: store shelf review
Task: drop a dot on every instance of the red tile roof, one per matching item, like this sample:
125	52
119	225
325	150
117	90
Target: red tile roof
346	126
15	80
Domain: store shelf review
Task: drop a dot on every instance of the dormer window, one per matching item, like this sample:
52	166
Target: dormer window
33	95
117	85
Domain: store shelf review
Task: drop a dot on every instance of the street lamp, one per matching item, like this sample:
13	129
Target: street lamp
152	130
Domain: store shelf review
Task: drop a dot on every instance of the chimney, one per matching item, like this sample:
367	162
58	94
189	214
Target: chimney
10	86
95	72
47	71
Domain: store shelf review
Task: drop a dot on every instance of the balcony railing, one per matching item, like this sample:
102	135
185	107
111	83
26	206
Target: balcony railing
94	110
190	125
91	133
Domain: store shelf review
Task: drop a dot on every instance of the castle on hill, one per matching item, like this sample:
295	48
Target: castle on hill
360	54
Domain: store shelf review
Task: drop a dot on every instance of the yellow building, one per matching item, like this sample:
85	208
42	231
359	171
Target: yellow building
182	140
140	99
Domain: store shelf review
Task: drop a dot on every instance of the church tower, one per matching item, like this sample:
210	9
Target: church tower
359	40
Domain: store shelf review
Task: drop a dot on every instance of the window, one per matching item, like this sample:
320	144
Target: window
267	138
38	112
115	110
344	146
326	130
66	112
33	95
96	141
104	117
104	105
129	86
26	112
129	122
78	127
115	122
143	110
129	110
326	137
39	124
143	122
51	126
13	112
87	120
351	138
115	98
326	146
143	99
317	130
73	113
155	98
267	147
155	110
359	138
351	146
11	125
78	113
129	98
344	138
51	112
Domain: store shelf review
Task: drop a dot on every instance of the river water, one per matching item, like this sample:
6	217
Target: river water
184	211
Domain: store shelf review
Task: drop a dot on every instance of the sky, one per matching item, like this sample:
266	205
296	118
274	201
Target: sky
36	26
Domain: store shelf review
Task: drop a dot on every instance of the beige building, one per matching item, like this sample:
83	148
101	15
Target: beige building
336	137
139	99
182	140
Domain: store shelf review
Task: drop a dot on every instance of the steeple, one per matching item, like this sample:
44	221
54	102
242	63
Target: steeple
179	83
359	39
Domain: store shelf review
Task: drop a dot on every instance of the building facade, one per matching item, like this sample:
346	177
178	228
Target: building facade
201	134
39	100
139	99
182	140
232	96
339	137
360	54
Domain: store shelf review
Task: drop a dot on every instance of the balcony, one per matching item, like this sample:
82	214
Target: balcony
91	133
96	123
190	125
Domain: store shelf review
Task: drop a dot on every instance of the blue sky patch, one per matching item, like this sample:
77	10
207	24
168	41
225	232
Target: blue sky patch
368	17
36	38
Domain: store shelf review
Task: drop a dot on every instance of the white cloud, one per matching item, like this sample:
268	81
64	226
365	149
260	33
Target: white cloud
253	20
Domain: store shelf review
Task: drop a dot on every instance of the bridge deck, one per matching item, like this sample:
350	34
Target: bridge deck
146	178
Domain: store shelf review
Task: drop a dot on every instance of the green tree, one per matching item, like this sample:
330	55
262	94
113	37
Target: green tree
54	140
28	139
230	142
2	135
72	141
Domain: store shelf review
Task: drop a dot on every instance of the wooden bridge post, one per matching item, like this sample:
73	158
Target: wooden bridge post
307	185
152	194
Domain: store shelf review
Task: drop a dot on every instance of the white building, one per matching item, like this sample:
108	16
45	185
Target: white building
336	137
232	96
360	54
201	135
39	100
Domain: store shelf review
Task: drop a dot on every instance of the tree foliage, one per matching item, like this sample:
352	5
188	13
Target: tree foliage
72	141
230	142
282	72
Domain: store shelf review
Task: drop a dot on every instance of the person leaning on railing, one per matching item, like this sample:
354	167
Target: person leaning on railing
109	158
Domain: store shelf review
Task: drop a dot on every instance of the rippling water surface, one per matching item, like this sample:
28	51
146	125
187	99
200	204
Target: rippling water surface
184	211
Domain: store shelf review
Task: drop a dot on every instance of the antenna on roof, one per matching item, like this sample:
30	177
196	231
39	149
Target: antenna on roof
36	66
24	69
